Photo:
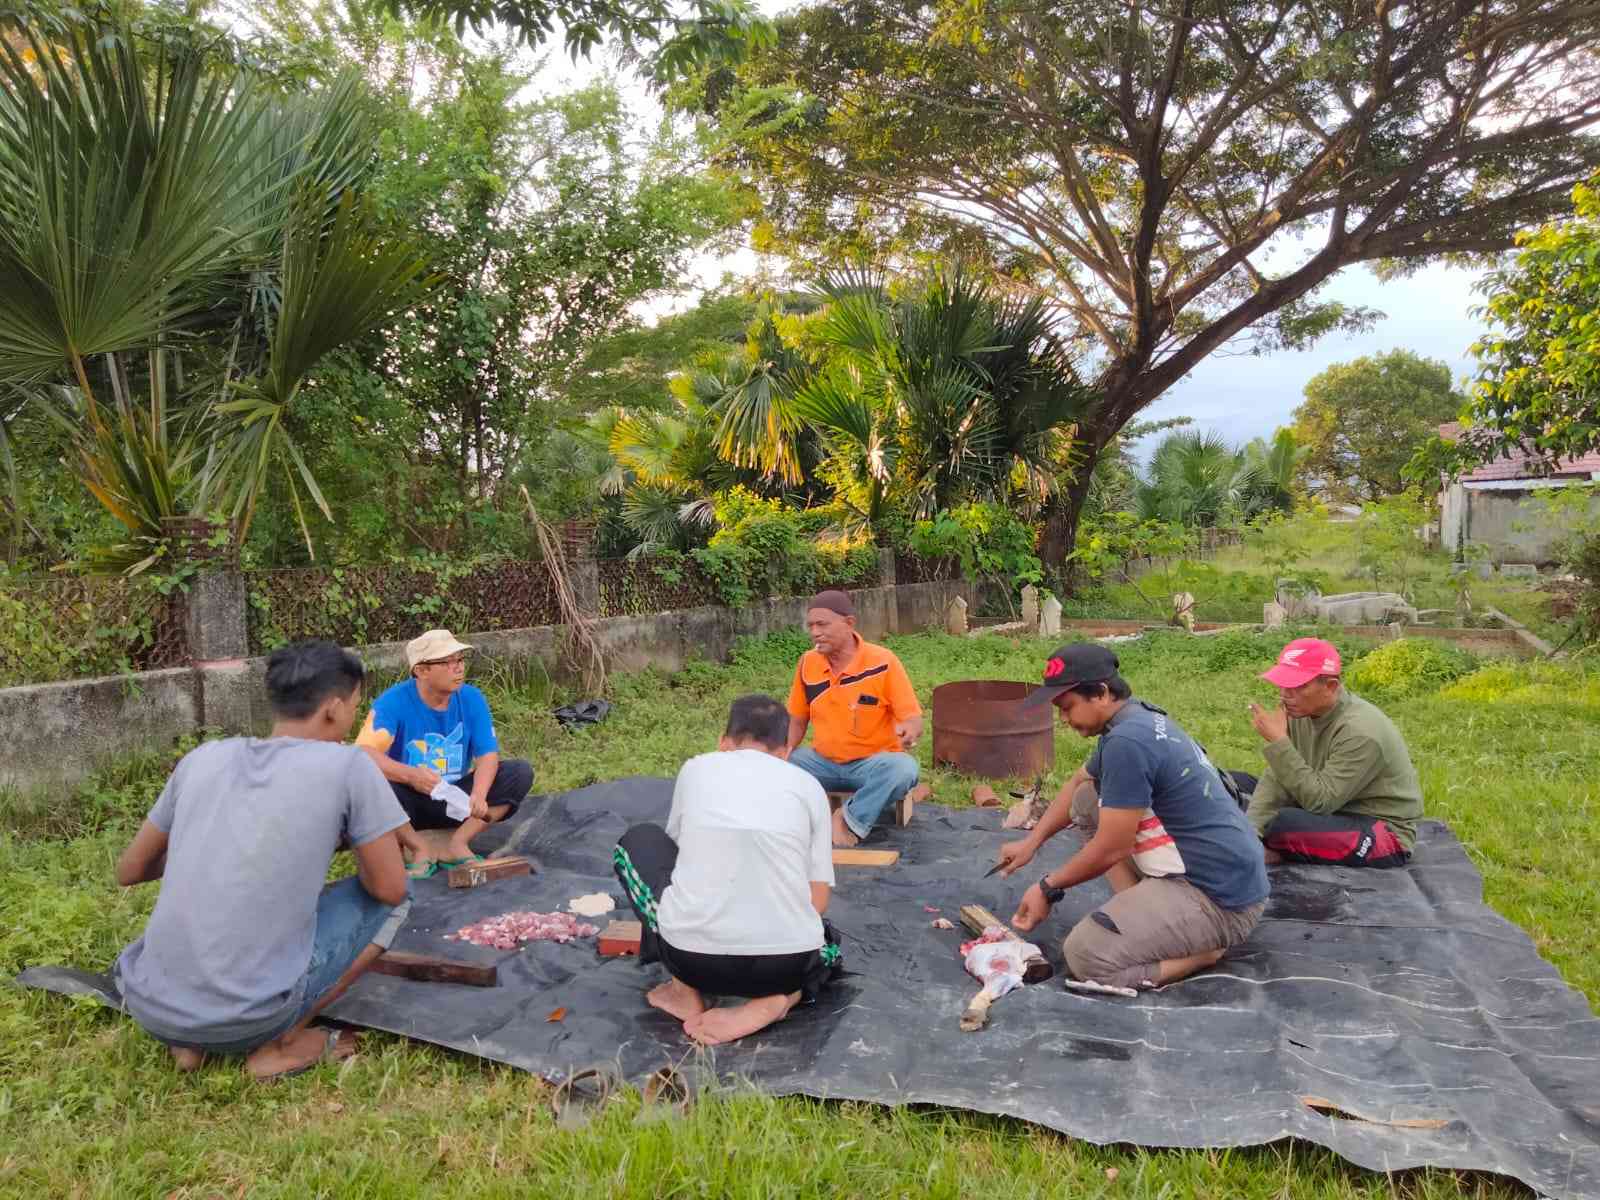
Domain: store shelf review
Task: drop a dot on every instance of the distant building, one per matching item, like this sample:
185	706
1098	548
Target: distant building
1493	505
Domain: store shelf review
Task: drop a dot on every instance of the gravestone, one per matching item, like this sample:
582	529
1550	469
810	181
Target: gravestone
1050	618
1030	606
1364	608
1183	610
1273	615
955	617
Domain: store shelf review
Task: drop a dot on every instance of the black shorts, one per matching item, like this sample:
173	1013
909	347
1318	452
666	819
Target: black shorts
643	861
512	783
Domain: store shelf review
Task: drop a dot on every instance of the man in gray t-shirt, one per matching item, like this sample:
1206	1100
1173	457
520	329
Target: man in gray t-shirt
245	944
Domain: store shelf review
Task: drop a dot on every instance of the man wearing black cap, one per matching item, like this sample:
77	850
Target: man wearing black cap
866	715
1186	871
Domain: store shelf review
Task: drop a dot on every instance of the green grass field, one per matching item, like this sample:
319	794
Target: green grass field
89	1106
1236	581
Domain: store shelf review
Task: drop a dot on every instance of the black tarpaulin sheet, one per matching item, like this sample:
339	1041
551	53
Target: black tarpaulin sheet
1387	1015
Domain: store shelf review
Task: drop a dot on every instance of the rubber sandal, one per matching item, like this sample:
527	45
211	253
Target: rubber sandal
666	1094
450	864
427	871
581	1095
329	1044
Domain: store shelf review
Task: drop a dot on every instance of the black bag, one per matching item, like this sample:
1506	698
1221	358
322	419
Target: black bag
584	712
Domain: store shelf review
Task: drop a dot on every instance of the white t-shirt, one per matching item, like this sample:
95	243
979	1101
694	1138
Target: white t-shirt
753	834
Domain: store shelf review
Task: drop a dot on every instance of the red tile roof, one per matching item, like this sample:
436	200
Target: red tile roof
1517	466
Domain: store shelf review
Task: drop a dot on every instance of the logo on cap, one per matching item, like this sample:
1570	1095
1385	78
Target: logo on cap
1054	667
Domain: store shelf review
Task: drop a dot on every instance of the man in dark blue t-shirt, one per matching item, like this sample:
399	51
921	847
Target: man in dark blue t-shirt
433	739
1187	872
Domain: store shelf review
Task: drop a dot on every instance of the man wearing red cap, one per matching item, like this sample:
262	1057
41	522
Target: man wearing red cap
866	716
1339	785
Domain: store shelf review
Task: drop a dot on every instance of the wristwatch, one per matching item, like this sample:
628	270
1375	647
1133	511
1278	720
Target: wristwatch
1052	895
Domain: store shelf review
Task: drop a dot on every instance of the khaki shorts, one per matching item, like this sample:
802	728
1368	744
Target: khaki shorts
1124	942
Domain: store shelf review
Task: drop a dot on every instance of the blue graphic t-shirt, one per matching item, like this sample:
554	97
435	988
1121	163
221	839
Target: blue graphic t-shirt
1191	825
447	740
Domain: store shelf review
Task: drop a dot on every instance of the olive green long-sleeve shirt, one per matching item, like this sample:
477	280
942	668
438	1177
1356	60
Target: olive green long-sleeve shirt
1350	760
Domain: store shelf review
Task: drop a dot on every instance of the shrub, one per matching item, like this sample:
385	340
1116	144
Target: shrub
1407	667
989	542
1528	683
770	550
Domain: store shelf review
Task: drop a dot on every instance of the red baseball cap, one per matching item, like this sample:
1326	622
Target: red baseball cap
1302	661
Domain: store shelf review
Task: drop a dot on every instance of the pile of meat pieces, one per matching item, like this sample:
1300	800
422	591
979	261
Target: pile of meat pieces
509	930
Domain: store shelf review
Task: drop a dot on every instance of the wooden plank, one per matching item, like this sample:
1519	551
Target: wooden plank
864	858
977	918
428	969
490	869
620	938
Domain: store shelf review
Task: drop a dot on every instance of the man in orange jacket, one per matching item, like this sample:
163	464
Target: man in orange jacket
866	715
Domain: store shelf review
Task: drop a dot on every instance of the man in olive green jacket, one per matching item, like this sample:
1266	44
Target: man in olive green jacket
1339	786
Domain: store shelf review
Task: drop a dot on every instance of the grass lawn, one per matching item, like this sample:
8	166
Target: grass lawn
89	1106
1233	584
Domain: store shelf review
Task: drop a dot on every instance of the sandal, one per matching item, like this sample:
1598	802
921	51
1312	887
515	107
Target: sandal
330	1043
581	1095
665	1094
450	864
424	870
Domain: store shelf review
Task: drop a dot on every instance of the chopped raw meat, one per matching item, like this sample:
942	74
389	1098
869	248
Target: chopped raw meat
992	934
929	908
508	930
943	923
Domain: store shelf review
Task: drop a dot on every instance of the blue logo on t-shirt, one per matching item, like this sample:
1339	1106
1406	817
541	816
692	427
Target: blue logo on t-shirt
441	752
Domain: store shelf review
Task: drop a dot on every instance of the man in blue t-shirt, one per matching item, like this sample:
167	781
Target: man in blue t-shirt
1186	870
434	730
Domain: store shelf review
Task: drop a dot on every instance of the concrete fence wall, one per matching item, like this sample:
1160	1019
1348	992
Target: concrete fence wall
56	734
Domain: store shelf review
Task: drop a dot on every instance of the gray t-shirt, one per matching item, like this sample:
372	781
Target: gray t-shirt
252	825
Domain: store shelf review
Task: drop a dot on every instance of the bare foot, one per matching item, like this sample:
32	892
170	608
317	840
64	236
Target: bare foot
297	1051
1273	857
676	999
186	1058
457	851
843	836
718	1025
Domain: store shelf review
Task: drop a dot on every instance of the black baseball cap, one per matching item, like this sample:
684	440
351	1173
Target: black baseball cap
1072	664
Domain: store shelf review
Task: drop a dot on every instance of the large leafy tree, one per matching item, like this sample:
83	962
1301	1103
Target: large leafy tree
546	225
1363	420
1539	367
1171	175
668	40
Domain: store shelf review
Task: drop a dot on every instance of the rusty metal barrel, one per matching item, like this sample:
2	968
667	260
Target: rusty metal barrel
981	728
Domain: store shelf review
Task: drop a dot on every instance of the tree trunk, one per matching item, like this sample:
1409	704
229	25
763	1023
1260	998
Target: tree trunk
1062	516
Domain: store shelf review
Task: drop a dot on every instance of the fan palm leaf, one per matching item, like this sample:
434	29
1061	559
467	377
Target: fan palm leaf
124	179
339	278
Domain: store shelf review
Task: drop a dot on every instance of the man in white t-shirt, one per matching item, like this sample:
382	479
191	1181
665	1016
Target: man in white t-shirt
730	895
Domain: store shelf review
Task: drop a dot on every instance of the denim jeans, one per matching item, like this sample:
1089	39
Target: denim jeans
349	920
877	781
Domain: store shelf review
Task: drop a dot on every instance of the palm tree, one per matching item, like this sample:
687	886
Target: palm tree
179	246
1273	466
940	394
1194	479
